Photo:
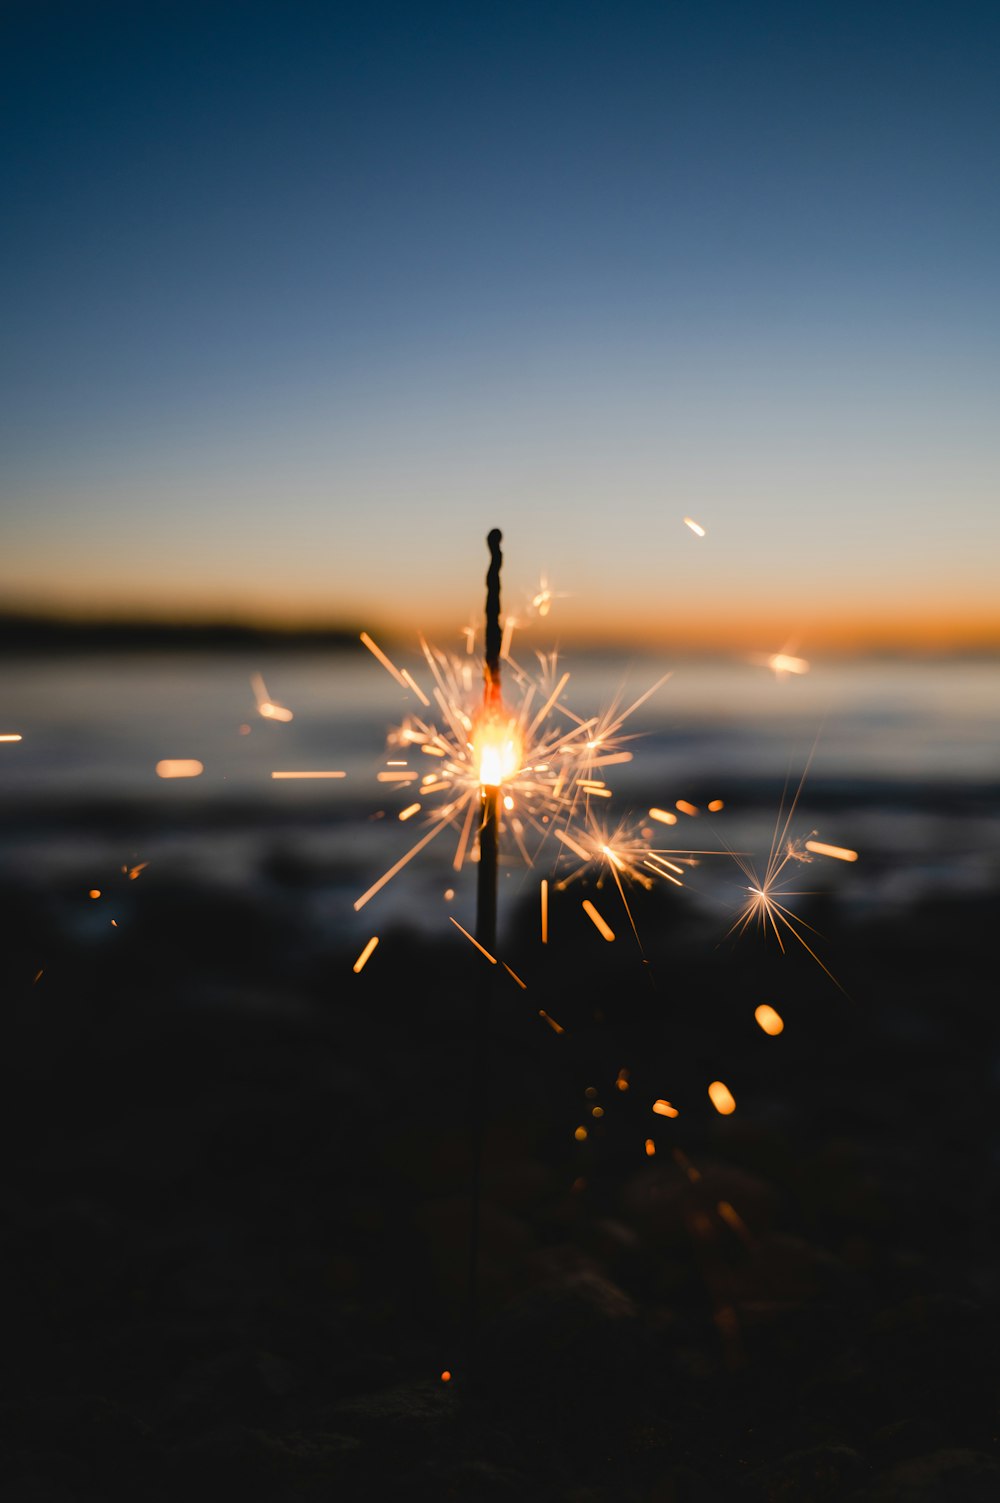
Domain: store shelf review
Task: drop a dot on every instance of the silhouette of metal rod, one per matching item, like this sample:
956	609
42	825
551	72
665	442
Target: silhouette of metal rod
489	827
486	933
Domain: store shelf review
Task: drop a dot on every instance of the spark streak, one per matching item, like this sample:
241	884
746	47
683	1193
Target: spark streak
365	955
309	775
481	948
180	768
602	928
819	848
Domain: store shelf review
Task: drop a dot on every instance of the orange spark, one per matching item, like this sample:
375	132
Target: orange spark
180	768
722	1098
446	1376
556	1027
574	845
602	928
665	1109
664	816
11	736
650	1148
772	1022
365	955
522	984
544	891
622	1080
95	892
409	811
580	1134
309	774
491	958
386	664
839	853
715	806
686	808
695	527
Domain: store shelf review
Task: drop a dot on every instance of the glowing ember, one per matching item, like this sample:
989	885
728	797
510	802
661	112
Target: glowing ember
409	811
772	1022
695	527
95	892
266	706
664	816
365	955
722	1098
544	894
446	1376
491	958
11	736
580	1134
838	852
686	808
602	928
715	806
531	746
650	1148
309	774
556	1027
496	746
664	1109
179	768
622	1080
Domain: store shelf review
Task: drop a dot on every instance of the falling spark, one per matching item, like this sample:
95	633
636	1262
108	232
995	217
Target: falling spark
686	808
733	1220
365	955
38	976
664	816
491	958
650	1148
309	774
522	984
580	1134
544	894
781	663
95	892
838	852
695	527
446	1376
665	1109
556	1027
409	811
266	706
180	768
132	872
622	1080
11	736
386	664
772	1022
762	902
721	1098
715	806
602	928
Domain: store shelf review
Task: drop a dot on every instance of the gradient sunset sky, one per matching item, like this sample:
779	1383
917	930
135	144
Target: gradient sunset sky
300	299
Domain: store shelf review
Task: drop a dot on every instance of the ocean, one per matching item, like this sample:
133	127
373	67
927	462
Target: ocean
900	761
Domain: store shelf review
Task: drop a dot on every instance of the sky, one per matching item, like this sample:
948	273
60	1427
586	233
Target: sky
299	300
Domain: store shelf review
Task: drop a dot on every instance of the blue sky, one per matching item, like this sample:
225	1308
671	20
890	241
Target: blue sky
300	299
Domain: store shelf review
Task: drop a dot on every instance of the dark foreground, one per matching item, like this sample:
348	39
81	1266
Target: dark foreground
235	1214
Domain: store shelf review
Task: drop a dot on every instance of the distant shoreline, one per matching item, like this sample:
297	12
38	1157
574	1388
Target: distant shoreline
23	633
30	634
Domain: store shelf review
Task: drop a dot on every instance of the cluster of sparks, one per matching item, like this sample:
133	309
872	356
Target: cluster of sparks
549	762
